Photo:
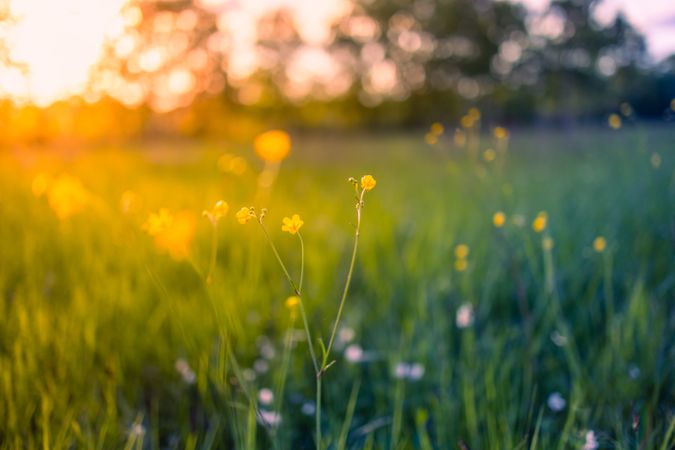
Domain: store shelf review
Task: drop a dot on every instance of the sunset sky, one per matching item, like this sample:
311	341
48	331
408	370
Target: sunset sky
45	28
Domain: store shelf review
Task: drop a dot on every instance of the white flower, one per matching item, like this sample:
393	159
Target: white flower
591	442
308	408
558	339
410	371
183	368
556	402
270	418
464	317
346	334
137	430
249	374
354	353
265	396
261	366
634	372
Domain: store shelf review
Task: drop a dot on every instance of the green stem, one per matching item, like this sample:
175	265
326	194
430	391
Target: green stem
302	262
359	205
297	292
214	251
318	412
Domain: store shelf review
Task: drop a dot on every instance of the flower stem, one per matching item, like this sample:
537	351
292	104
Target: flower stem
214	251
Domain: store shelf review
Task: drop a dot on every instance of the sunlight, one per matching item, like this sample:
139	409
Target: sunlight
54	45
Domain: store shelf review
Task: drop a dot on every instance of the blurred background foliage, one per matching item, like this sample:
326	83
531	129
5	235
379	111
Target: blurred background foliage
211	67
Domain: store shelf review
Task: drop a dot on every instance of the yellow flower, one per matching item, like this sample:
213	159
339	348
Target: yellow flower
547	243
614	121
459	138
244	215
177	236
229	163
467	121
217	212
462	251
474	113
489	155
498	219
272	146
292	302
292	225
460	265
599	244
40	184
368	182
158	222
539	223
436	129
66	196
501	133
431	138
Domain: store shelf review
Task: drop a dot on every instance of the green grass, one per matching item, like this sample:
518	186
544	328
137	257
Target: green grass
93	318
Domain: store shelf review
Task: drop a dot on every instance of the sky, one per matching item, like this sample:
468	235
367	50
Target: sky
653	18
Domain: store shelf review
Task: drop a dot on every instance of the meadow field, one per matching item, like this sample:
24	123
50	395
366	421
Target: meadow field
516	298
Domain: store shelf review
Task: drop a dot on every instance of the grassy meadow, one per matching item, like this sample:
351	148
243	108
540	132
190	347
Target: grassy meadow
518	339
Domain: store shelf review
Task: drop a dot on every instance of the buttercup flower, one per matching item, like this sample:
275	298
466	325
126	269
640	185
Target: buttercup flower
292	225
599	244
292	302
244	215
272	146
368	182
437	128
498	219
158	222
614	121
539	223
217	212
501	133
462	251
66	196
460	265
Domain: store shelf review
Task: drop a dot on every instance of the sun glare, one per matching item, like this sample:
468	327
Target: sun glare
53	46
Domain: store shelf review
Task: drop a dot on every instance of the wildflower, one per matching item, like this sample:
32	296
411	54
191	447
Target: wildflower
459	138
461	265
410	371
590	442
461	251
178	235
599	244
244	215
547	243
437	129
464	317
66	196
431	138
614	121
354	353
270	418
467	121
292	225
292	302
556	402
500	133
265	396
498	219
558	339
308	408
346	334
229	163
272	146
137	430
185	371
489	155
368	182
217	212
40	184
261	366
655	159
474	113
539	223
158	222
